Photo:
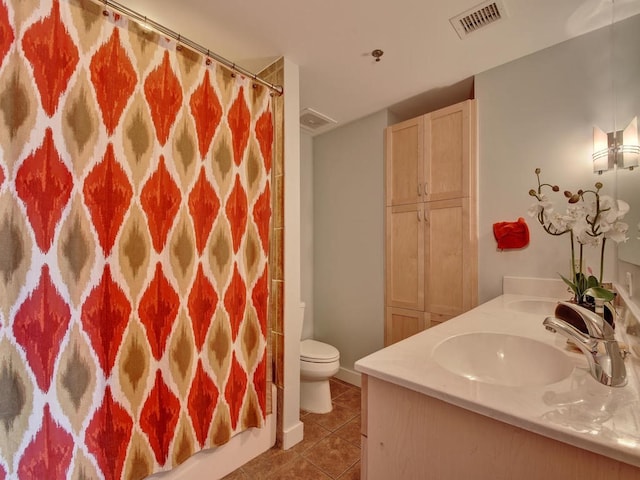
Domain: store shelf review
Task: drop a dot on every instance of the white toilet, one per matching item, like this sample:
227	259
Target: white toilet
318	362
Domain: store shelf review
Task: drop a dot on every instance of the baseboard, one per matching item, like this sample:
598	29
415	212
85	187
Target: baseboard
349	376
292	436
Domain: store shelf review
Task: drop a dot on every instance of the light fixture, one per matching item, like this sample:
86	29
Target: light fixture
619	148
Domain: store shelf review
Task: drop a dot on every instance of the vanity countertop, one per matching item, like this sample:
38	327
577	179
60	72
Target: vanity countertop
576	410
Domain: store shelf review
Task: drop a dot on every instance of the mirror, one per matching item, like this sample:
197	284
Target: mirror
626	83
628	182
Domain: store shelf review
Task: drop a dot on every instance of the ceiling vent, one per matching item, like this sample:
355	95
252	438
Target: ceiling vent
313	121
479	16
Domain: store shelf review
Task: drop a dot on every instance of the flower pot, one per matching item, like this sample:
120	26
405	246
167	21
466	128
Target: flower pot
609	316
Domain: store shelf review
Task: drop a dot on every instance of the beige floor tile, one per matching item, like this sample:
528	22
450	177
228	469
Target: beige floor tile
336	379
330	448
338	387
335	419
333	455
352	474
237	475
350	398
299	469
313	433
269	462
351	432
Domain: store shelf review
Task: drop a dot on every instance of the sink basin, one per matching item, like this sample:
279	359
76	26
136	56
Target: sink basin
502	359
542	307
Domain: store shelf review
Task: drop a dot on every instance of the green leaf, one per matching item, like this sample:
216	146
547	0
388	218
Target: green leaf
572	285
581	283
601	293
592	282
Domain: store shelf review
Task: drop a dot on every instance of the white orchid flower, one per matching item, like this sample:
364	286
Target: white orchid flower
576	210
618	232
611	209
586	238
542	205
590	217
591	208
561	222
623	209
580	230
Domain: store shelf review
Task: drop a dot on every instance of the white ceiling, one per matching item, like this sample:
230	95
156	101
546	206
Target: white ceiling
332	40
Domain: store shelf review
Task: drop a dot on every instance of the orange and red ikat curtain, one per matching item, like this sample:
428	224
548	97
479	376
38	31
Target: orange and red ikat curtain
134	229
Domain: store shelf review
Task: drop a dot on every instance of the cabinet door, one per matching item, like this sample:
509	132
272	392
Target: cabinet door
401	323
437	319
450	265
405	256
404	162
449	138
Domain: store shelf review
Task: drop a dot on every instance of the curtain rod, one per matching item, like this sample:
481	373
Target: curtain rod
189	43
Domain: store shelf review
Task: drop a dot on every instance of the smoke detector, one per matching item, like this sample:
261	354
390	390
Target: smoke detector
478	17
314	121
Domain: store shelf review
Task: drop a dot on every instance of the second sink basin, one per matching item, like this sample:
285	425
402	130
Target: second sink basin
502	359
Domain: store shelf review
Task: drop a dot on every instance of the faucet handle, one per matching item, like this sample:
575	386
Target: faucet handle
597	326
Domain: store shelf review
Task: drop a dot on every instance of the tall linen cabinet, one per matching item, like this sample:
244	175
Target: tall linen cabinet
430	220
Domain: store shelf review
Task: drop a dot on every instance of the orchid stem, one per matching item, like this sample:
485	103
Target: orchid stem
581	275
604	241
573	259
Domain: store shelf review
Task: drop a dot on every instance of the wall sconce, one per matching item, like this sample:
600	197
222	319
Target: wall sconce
619	148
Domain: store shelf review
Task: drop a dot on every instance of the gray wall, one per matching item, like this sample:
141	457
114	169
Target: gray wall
539	111
348	237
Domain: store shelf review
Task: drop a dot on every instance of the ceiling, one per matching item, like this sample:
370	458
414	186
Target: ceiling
331	41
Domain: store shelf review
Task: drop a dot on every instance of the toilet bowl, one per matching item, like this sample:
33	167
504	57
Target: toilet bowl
318	362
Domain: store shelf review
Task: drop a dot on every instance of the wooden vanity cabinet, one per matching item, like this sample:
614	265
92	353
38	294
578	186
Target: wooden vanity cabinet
430	220
409	435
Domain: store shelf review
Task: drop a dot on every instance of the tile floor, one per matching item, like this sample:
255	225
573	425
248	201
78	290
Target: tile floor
330	448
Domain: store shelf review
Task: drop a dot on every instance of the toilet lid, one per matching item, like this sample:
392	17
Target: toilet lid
318	352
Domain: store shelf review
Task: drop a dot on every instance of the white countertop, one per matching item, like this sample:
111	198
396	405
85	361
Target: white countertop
576	410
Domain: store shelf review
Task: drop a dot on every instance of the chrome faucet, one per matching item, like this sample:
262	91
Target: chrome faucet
606	360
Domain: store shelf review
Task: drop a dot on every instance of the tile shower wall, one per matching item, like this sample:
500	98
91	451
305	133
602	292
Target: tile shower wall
275	74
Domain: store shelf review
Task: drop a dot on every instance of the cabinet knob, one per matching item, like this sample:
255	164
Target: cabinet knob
420	189
425	189
418	212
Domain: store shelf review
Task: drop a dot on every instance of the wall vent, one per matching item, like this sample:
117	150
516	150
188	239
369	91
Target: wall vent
314	121
479	16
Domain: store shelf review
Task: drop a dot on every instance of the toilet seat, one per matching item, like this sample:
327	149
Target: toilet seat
317	352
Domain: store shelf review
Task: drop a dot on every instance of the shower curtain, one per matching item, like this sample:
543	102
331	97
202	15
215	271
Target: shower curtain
134	229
